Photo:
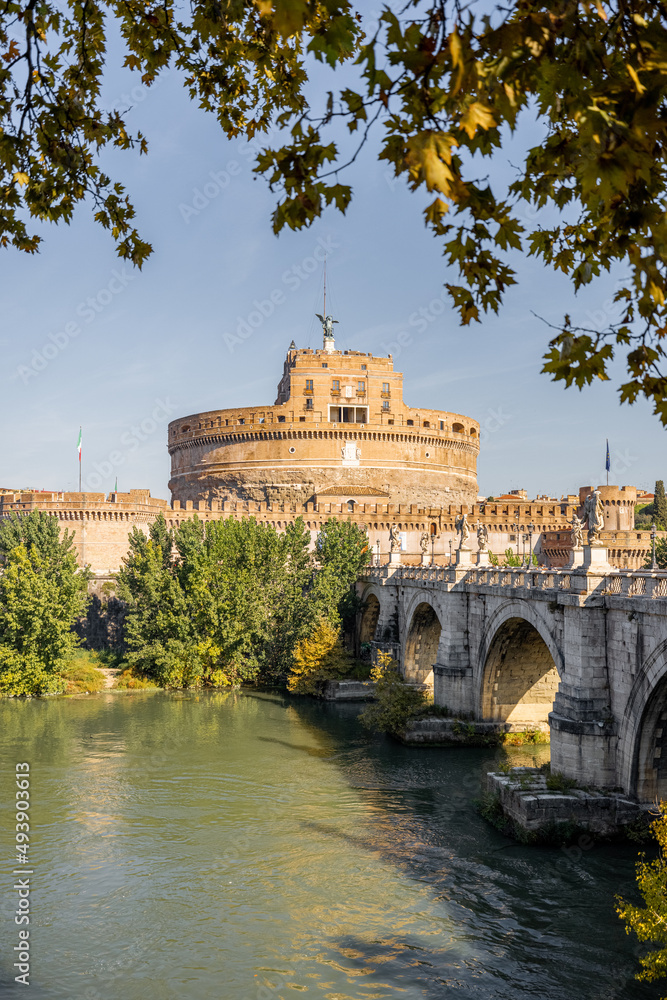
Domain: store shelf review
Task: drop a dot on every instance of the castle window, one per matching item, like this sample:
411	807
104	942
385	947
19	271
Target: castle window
410	423
426	423
390	421
309	404
361	387
385	404
350	506
442	425
324	364
302	419
385	388
309	385
335	385
457	428
241	420
281	420
363	368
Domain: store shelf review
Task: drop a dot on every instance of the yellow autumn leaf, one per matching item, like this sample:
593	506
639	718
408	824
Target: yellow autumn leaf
635	79
477	116
21	178
429	157
656	293
456	50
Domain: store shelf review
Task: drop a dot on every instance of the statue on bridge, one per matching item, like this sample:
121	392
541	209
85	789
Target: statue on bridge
423	542
577	532
593	515
394	538
462	528
482	536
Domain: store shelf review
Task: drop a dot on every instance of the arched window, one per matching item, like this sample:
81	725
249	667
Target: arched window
457	428
350	506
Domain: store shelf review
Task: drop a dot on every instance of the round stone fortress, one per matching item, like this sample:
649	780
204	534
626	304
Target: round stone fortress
339	428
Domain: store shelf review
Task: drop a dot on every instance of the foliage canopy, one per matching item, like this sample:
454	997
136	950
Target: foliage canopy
649	922
444	83
42	594
229	601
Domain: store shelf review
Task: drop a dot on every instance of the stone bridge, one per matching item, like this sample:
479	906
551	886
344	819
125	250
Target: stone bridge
584	653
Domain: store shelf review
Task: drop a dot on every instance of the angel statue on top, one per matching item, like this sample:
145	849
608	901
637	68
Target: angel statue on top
327	324
462	528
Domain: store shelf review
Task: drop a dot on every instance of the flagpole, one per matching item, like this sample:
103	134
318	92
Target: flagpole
79	459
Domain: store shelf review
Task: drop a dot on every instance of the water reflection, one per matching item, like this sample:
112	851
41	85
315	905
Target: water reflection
246	847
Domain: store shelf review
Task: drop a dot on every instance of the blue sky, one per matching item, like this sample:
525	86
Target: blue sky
87	340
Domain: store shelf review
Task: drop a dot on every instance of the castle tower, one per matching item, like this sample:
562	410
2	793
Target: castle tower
339	425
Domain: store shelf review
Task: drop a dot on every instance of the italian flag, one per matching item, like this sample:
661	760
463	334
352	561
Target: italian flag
79	445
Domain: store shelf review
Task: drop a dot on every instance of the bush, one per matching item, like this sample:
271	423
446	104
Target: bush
318	659
397	703
82	676
131	679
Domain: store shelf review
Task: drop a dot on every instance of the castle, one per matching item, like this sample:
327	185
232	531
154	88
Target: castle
339	441
339	428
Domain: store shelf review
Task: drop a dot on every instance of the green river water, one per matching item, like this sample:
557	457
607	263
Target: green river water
244	846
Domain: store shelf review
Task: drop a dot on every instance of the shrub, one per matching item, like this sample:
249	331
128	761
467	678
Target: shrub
317	659
81	676
397	703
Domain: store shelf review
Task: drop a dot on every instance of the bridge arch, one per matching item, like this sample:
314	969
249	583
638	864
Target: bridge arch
422	640
369	618
519	667
642	744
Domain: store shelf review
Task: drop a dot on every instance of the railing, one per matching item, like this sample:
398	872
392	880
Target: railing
621	583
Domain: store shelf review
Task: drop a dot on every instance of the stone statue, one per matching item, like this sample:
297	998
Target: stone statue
423	542
327	324
593	515
462	528
394	538
482	536
577	532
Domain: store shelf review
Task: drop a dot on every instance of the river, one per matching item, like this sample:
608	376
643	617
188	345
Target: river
243	846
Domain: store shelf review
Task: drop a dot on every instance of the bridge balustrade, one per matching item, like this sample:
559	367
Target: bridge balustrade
622	583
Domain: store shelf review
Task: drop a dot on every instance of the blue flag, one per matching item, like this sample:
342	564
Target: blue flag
607	464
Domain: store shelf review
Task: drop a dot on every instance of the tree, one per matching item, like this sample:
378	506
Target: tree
660	506
445	84
42	594
660	555
396	702
342	551
318	658
219	603
649	922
